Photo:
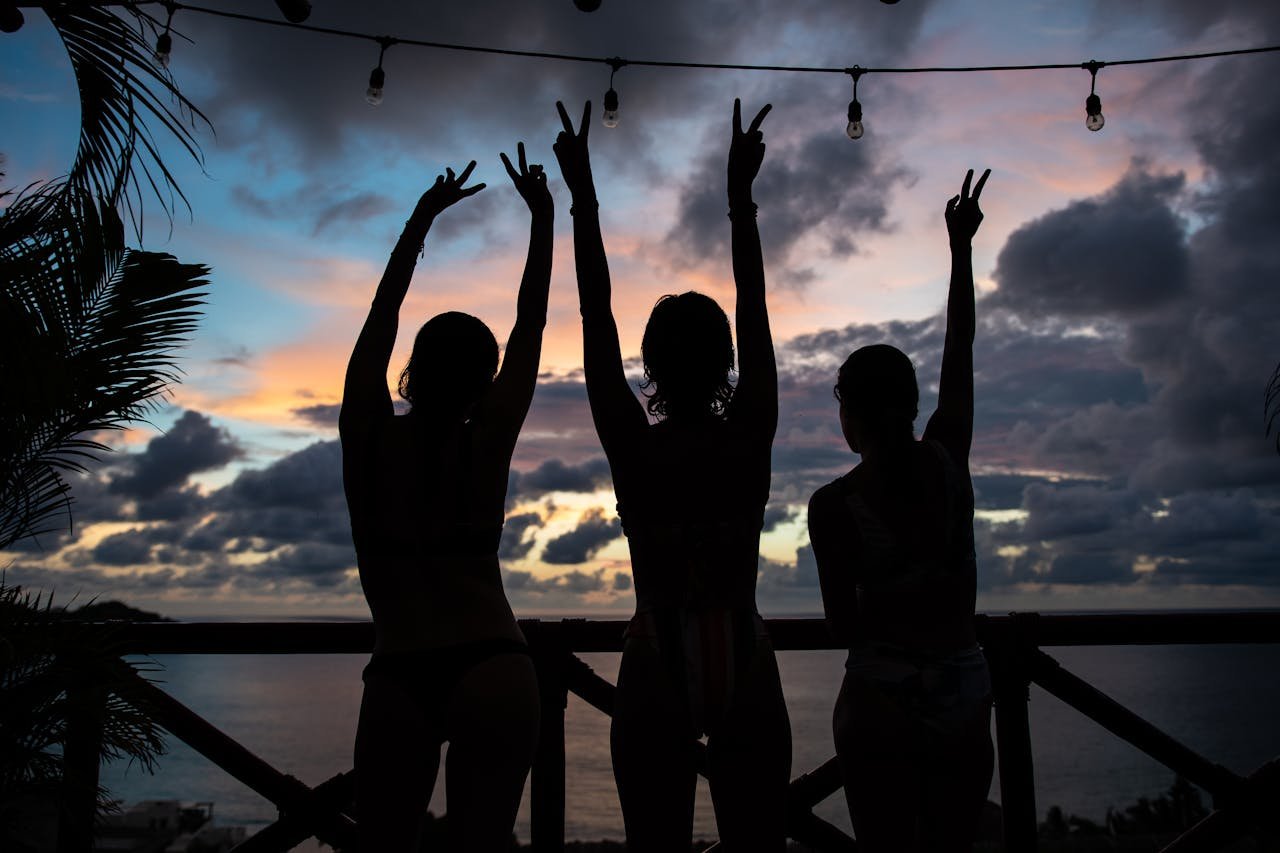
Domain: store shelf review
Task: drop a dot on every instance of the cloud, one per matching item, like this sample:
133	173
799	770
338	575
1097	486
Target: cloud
553	475
593	532
515	542
192	445
1120	254
803	191
324	415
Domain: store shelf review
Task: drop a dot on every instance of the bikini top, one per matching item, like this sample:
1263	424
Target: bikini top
886	565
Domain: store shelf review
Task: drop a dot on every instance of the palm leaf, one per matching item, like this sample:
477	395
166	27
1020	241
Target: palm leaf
1271	405
123	90
90	331
47	648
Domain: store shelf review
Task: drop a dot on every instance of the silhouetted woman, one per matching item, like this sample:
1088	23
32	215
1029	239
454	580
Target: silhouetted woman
425	491
691	493
894	544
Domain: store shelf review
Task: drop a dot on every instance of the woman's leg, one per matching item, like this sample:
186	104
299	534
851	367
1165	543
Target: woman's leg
749	758
957	785
397	757
882	783
493	717
653	759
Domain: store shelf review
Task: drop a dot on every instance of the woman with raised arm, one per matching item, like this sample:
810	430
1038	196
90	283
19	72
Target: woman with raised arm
894	543
426	491
691	493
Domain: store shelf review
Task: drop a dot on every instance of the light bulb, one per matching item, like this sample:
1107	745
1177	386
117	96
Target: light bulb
377	79
10	18
1093	119
854	128
164	47
294	11
610	116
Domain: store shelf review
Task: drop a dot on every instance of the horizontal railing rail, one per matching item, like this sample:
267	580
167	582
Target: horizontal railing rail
1013	645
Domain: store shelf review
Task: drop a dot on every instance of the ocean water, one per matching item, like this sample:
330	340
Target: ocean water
299	713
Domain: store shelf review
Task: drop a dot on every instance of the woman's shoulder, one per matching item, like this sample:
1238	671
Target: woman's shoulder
834	493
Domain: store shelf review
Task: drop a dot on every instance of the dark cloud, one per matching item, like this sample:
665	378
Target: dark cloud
330	210
802	193
775	514
564	586
516	543
1121	253
553	475
192	445
323	415
295	99
593	532
314	563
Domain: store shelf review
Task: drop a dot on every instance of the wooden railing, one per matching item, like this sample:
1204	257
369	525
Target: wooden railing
1013	645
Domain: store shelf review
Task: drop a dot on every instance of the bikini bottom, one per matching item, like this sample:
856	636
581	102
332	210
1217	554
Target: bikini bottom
705	650
429	676
945	692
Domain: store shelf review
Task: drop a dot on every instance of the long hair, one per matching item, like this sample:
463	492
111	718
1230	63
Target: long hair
454	360
688	355
878	385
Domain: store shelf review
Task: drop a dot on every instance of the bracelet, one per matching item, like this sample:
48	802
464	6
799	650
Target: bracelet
750	207
422	244
595	205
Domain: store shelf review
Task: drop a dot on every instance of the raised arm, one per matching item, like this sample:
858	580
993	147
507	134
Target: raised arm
952	421
364	395
755	400
508	402
615	410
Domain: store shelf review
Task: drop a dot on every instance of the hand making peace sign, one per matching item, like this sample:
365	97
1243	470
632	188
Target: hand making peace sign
571	152
963	214
530	182
746	153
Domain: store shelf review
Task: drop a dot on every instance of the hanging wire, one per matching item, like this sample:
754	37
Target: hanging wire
725	66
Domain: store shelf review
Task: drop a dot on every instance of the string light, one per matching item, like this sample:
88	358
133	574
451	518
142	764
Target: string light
1093	118
164	42
294	11
1093	104
378	77
11	19
854	128
610	114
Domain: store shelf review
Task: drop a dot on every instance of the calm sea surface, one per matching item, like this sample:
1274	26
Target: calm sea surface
299	713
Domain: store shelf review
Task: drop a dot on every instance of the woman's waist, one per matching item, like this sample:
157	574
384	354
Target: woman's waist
443	625
651	621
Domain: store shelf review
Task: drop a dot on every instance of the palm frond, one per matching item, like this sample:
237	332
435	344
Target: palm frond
89	333
46	649
1271	406
123	90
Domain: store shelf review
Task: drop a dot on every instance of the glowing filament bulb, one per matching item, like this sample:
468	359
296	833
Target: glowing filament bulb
377	79
854	128
1093	118
164	47
610	116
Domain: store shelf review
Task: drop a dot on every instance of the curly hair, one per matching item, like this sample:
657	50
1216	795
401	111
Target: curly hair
688	355
454	360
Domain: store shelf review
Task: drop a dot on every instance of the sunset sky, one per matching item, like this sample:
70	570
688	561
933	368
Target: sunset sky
1129	280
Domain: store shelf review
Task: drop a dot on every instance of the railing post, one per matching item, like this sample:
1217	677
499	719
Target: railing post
546	786
81	757
1011	677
